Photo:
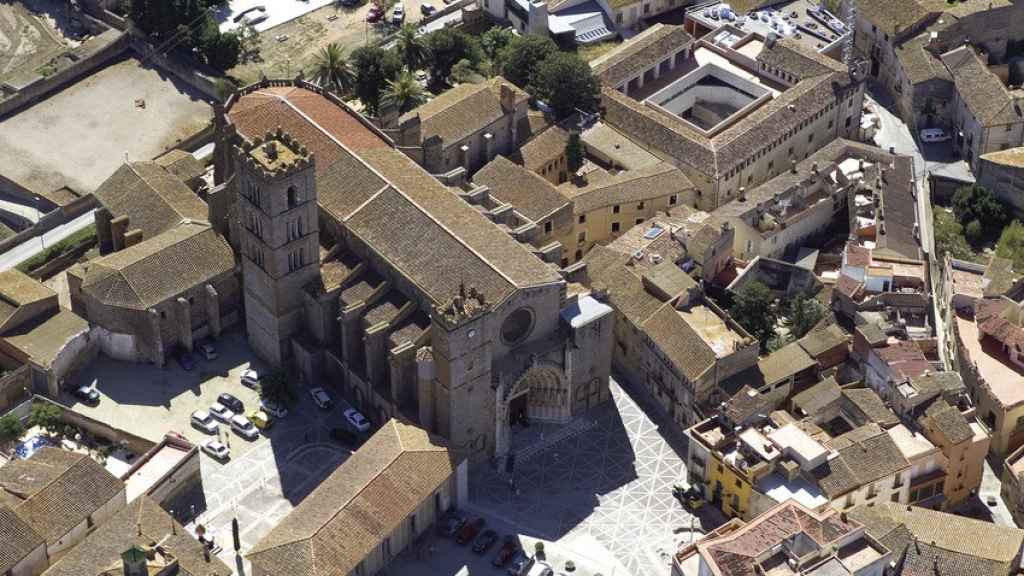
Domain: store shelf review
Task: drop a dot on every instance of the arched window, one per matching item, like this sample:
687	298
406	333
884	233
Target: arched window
293	197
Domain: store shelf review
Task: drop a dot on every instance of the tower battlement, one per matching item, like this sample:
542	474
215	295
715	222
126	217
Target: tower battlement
275	154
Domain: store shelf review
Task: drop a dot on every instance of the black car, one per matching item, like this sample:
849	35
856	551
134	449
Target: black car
485	540
345	437
186	360
87	394
231	403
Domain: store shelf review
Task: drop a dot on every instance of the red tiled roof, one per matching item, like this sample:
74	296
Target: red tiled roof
857	256
904	358
847	286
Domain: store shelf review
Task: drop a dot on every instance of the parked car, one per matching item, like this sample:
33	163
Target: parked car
244	427
398	15
469	531
450	524
245	12
540	569
185	359
221	412
375	14
250	378
427	9
231	403
519	562
320	398
261	419
202	420
357	420
87	394
273	408
215	448
209	352
508	549
345	437
930	135
484	541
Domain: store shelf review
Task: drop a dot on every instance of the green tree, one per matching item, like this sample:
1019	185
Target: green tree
1011	244
521	57
949	237
332	69
464	71
753	309
373	67
47	416
574	153
11	429
278	387
223	52
411	47
804	313
494	41
403	93
973	232
448	46
566	83
975	203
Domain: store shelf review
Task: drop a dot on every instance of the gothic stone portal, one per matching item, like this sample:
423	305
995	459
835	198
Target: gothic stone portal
541	394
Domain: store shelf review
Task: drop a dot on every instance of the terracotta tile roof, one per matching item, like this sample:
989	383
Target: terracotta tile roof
543	148
19	539
153	199
626	293
934	383
821	340
949	421
893	16
156	269
787	361
464	109
683	346
961	546
531	195
76	486
629	186
848	287
142	522
865	455
1003	331
17	291
984	93
737	553
416	224
362	502
871	406
181	164
818	397
44	337
638	53
918	63
905	359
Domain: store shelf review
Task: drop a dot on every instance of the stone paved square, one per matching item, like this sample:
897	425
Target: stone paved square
611	481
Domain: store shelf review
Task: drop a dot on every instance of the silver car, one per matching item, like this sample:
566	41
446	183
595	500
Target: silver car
202	420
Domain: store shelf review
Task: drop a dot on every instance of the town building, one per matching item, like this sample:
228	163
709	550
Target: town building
142	538
465	127
732	109
24	549
1002	173
374	506
928	541
165	277
61	496
35	331
408	296
1012	489
788	539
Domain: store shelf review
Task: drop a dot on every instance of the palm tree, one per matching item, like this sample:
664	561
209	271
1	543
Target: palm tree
411	47
404	93
332	70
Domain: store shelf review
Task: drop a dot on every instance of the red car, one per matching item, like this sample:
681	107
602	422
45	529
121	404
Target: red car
468	532
375	14
505	553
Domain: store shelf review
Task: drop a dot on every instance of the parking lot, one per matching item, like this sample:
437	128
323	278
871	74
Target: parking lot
264	479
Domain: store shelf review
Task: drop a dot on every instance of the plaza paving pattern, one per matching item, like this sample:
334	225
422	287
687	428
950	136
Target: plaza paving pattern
612	480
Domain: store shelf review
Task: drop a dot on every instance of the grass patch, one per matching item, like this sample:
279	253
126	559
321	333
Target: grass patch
47	70
60	248
595	51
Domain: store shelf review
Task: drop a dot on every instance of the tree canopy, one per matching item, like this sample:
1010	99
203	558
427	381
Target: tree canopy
976	204
374	67
187	24
521	57
11	429
447	47
753	308
411	47
574	153
332	69
804	313
566	83
47	416
1011	244
403	93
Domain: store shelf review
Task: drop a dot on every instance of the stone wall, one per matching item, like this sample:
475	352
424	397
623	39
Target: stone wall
13	385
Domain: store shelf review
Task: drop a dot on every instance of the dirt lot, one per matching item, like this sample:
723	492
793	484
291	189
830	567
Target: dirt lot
31	33
80	135
308	33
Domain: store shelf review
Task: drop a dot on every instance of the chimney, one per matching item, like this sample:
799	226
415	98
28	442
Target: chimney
792	166
814	167
132	237
508	97
118	227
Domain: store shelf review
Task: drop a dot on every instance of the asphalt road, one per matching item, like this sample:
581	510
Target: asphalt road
33	246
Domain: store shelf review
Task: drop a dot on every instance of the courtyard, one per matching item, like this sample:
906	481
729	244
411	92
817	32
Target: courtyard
32	32
80	135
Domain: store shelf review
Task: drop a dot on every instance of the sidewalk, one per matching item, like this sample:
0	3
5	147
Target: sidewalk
33	246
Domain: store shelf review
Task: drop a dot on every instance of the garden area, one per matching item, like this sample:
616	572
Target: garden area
84	237
975	226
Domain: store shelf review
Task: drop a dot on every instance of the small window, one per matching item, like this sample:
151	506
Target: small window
639	220
547	227
581	237
848	120
615	209
293	197
640	206
583	218
615	227
672	200
579	255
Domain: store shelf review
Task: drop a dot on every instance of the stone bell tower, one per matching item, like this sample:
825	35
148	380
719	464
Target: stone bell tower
279	238
462	347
